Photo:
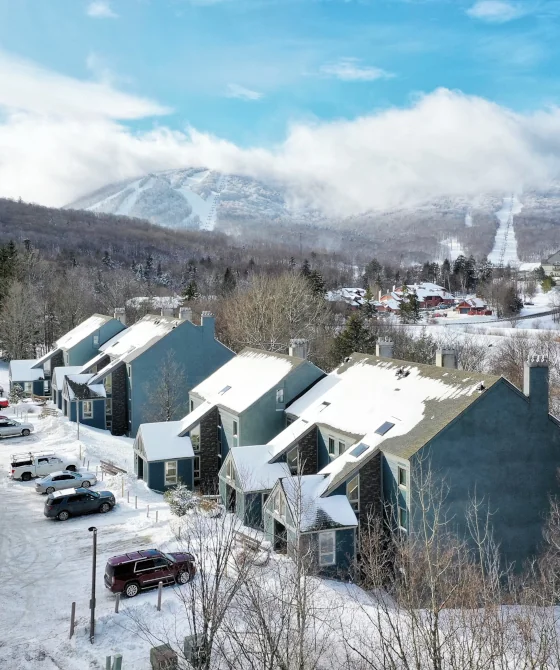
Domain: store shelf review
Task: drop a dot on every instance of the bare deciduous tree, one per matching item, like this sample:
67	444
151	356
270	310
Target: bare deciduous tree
166	396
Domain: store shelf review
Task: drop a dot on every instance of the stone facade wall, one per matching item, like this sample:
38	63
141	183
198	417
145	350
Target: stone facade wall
120	402
210	463
308	453
371	501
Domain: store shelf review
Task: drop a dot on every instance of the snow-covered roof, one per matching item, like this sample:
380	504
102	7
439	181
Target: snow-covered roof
80	387
25	371
246	378
425	290
94	361
303	495
366	392
83	330
289	436
254	472
156	302
60	372
161	441
352	296
528	267
193	418
474	302
130	343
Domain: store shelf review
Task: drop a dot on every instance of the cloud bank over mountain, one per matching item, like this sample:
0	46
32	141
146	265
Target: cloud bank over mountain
62	137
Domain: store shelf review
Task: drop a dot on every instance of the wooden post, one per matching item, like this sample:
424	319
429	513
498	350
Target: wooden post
84	463
159	592
148	511
107	662
128	496
72	619
102	471
117	602
87	464
96	470
135	502
157	514
122	487
117	665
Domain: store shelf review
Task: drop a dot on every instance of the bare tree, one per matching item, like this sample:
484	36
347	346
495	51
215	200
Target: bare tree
166	395
19	322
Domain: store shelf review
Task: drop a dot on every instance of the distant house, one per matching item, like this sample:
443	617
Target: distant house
551	265
30	377
368	430
473	306
57	382
163	458
82	342
131	366
83	399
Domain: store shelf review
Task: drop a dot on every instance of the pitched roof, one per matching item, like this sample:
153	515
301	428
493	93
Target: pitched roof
254	472
25	371
555	258
80	387
161	441
60	372
130	343
246	378
367	391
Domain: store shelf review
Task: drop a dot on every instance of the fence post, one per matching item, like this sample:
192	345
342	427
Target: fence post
159	592
107	662
148	511
128	496
117	602
117	665
87	464
96	470
157	514
84	462
72	619
135	502
122	487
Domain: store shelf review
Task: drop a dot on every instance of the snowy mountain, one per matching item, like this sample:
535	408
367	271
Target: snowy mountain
192	198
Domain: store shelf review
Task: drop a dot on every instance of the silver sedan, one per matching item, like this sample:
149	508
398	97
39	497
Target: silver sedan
65	480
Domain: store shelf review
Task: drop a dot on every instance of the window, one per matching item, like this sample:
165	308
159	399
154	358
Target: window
230	472
195	438
402	477
192	405
109	407
279	396
323	406
403	518
170	472
332	446
293	460
353	492
141	566
327	548
87	409
219	440
279	504
96	340
196	468
224	390
108	381
384	428
341	447
28	387
289	420
359	450
235	434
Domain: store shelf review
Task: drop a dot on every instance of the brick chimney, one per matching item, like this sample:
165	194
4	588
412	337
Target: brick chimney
384	348
535	382
446	358
299	348
208	322
120	315
185	313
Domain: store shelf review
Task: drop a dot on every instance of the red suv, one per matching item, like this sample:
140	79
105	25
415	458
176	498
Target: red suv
130	573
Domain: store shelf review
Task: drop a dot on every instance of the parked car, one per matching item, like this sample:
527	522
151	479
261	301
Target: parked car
4	402
12	428
64	480
130	573
74	502
26	466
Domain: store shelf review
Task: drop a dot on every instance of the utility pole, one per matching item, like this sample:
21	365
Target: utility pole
93	530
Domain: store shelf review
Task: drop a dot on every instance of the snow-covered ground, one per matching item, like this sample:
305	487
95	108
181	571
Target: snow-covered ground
505	244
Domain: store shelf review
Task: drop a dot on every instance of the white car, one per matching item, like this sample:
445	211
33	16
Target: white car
11	428
65	479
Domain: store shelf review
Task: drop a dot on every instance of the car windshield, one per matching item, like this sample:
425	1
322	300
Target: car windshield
168	557
95	494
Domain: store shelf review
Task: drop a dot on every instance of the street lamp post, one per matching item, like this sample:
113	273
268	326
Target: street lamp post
93	530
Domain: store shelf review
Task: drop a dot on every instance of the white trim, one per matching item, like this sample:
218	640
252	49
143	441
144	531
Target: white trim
170	479
329	536
87	413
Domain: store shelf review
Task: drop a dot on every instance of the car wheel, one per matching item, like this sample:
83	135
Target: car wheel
183	577
62	516
71	468
105	507
26	476
50	489
132	589
25	432
86	484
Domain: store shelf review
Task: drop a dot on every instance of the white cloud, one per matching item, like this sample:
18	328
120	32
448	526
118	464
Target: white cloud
497	11
61	138
101	9
349	69
237	91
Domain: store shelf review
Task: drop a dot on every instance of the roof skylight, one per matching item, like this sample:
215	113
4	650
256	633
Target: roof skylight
359	450
384	428
224	390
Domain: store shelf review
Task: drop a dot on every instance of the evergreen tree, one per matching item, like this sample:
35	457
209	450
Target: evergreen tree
305	268
292	263
316	281
409	307
229	283
190	292
470	274
107	260
369	310
356	336
547	284
16	394
148	270
485	271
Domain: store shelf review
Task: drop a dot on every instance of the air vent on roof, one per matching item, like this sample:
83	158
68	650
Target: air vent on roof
384	428
323	406
224	390
359	450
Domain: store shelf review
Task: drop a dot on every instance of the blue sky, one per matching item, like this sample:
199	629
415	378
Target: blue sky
292	60
433	96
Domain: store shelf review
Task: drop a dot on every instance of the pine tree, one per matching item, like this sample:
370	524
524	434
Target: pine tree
356	336
305	268
107	260
16	394
190	292
369	310
229	283
409	307
316	281
149	269
292	263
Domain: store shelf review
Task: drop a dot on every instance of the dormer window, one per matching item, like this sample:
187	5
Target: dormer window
230	473
96	340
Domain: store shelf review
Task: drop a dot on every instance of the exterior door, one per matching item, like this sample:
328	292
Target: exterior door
77	504
91	502
163	571
43	467
144	572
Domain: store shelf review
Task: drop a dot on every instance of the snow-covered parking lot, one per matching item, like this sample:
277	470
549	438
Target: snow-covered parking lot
45	565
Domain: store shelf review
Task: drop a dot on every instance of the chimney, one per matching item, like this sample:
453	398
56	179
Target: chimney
120	315
299	348
167	311
384	348
535	382
446	358
208	322
185	313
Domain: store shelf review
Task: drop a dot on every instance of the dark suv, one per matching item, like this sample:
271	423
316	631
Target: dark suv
75	502
130	573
